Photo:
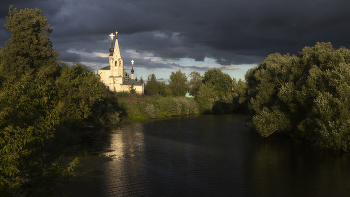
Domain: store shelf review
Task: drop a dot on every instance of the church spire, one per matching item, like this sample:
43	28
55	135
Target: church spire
116	53
111	48
132	66
132	69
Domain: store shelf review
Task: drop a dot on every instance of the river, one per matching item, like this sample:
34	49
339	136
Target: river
204	155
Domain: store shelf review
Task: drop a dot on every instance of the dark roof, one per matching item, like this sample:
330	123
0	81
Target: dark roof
131	81
106	68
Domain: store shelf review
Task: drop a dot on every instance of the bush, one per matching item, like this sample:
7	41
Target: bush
158	106
304	95
150	111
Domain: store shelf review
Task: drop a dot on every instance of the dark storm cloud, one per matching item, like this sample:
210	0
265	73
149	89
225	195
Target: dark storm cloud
50	7
69	57
231	32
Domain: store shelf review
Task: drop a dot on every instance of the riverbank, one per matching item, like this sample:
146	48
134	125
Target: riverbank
140	107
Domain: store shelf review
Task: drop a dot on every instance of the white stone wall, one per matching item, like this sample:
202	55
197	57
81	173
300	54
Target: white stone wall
138	89
104	74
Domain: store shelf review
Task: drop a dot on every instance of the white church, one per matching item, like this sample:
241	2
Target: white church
114	75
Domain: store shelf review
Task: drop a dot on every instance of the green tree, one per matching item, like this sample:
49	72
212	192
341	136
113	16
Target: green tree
29	113
29	50
239	90
132	89
195	82
206	97
35	97
178	83
28	107
221	82
303	95
164	89
79	91
141	80
151	87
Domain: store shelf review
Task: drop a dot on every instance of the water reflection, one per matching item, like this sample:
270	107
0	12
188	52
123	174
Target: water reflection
206	156
283	166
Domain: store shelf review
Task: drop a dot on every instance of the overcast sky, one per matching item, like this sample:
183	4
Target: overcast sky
162	36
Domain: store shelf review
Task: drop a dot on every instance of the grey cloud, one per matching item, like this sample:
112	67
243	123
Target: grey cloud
69	57
231	32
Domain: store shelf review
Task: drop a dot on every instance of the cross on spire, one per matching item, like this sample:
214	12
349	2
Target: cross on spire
132	68
111	35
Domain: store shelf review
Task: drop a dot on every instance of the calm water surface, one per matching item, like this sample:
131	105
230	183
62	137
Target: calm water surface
206	155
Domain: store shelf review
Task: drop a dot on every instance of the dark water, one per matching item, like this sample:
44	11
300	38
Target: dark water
206	155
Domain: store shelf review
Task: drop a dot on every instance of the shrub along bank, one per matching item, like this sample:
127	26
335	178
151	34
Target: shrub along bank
207	100
304	95
144	107
215	92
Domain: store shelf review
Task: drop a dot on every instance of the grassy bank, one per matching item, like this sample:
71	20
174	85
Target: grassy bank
138	107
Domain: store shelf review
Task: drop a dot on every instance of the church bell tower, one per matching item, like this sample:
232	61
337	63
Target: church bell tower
116	62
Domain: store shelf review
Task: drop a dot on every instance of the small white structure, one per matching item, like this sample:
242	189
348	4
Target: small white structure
114	75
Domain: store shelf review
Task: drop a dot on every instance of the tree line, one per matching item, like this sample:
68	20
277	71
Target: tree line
304	95
39	94
214	92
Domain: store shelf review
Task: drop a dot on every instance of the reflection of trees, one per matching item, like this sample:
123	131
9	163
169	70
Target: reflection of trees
285	168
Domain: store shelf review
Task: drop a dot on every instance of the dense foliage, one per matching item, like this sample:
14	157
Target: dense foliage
178	83
216	92
38	92
219	93
29	48
303	95
164	89
141	80
195	81
83	96
151	87
144	107
221	82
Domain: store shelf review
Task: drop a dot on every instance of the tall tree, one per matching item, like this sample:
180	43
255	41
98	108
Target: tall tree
29	50
221	82
164	89
151	87
141	80
28	108
178	83
206	97
195	82
132	89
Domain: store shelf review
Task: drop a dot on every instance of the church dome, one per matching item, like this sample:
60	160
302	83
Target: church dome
111	50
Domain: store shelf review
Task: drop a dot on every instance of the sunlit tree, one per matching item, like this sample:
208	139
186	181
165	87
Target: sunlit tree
195	82
151	87
28	108
178	83
141	80
28	50
221	82
304	95
164	89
